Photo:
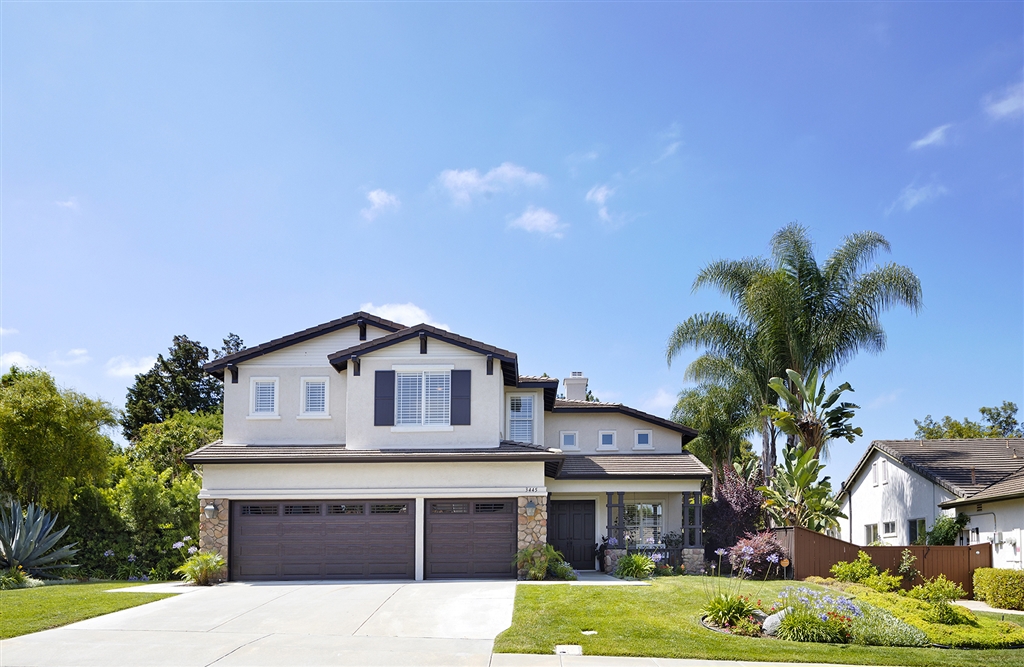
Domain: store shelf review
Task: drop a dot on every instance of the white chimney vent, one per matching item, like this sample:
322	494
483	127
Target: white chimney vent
575	386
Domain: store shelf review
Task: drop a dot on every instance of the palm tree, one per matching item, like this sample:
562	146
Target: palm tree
723	415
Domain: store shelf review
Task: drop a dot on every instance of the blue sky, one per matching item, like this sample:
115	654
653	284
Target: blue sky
544	177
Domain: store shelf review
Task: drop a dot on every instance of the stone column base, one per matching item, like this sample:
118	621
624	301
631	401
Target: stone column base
532	530
611	557
693	559
213	533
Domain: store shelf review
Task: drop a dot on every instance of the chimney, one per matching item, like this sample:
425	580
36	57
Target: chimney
575	386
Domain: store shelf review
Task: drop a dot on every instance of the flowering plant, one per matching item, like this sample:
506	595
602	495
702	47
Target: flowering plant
724	605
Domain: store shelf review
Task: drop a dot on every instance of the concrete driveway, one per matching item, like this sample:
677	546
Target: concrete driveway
314	623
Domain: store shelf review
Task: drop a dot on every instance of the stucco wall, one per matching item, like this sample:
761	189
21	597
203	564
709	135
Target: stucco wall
587	425
1005	517
672	507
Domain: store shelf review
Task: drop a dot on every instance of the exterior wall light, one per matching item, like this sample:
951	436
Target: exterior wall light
210	511
531	508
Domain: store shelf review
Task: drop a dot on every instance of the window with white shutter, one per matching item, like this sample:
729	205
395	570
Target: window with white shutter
263	397
423	398
520	418
314	397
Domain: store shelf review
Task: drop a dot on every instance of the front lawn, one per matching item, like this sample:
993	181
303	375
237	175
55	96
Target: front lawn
26	610
663	620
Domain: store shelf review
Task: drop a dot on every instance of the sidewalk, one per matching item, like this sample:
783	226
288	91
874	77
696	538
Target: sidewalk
536	660
978	605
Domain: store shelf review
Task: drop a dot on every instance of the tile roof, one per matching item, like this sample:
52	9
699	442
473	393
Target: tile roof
565	405
1009	487
537	378
683	465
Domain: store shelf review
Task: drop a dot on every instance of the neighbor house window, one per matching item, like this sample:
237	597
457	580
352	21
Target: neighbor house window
314	397
874	474
644	522
885	472
916	531
520	418
889	528
263	397
870	533
606	440
423	398
643	440
569	439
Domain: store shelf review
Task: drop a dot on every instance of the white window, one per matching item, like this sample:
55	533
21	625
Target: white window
569	439
520	418
423	398
885	472
888	527
917	531
870	534
644	523
643	440
263	398
314	398
874	474
606	440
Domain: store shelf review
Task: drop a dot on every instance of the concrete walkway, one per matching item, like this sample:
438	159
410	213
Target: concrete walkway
978	605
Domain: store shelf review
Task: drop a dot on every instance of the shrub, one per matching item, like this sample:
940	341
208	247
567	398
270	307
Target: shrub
201	568
28	541
635	566
906	568
883	582
725	610
1000	588
878	627
661	570
805	625
760	552
948	614
559	569
946	530
535	560
855	571
938	590
736	512
15	577
747	627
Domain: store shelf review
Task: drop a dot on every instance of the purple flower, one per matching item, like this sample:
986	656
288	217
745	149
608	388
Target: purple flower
133	578
177	545
721	552
131	558
656	558
712	566
192	550
773	558
747	570
824	617
612	541
108	553
186	539
145	577
650	540
747	551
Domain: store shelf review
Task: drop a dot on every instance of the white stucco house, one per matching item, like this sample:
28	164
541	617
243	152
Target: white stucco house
363	448
900	487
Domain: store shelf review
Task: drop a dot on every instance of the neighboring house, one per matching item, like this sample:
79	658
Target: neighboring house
362	448
900	487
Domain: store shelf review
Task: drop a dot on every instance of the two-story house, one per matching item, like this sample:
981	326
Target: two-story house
362	448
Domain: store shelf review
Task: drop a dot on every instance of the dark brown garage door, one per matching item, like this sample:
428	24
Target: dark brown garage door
330	539
470	538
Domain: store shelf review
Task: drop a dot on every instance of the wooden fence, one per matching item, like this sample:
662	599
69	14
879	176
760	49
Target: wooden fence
814	554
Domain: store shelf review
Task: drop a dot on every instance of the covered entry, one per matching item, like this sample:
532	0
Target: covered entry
470	538
571	531
329	539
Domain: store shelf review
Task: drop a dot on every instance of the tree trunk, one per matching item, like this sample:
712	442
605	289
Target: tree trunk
767	449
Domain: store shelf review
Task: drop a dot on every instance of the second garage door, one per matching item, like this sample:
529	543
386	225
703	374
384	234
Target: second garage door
470	538
331	539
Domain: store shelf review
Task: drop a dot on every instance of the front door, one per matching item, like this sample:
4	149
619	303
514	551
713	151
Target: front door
571	531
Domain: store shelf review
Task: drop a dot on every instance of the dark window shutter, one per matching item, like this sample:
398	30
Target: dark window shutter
384	398
460	398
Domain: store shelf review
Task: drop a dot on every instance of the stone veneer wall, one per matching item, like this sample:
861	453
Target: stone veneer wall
213	533
533	530
692	557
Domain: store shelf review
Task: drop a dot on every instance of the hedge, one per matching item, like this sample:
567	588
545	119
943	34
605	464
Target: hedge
1000	588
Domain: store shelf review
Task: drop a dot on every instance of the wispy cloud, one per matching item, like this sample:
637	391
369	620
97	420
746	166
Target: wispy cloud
464	185
885	399
599	195
403	313
1006	103
936	137
381	201
73	357
539	221
71	203
7	332
913	196
660	403
671	141
126	367
18	359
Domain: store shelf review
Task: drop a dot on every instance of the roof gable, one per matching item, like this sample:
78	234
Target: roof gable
563	405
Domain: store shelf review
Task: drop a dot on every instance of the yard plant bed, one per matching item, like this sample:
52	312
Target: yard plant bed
26	610
663	620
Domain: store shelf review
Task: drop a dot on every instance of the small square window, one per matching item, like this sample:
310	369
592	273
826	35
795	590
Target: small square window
606	440
314	397
889	528
643	440
263	398
569	440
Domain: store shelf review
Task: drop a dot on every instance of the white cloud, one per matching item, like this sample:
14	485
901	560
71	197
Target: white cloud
661	403
72	358
380	202
1007	103
599	195
885	399
912	196
403	313
126	367
539	220
7	332
672	137
670	150
463	185
936	137
71	203
18	359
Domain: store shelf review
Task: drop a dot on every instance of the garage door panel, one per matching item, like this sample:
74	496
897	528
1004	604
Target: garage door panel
470	538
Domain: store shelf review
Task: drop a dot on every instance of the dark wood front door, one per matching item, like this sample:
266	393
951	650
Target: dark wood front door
571	531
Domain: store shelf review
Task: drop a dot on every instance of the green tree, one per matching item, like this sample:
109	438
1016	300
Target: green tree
176	383
813	417
51	439
165	445
723	417
998	422
797	497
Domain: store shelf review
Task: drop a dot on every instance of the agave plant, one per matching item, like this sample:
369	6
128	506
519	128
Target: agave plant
27	540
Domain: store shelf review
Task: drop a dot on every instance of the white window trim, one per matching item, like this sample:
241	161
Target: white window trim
650	439
437	428
614	447
885	471
572	448
889	533
252	398
421	369
874	474
533	419
326	414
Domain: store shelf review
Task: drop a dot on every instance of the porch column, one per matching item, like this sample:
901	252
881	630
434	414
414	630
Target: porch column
532	530
213	531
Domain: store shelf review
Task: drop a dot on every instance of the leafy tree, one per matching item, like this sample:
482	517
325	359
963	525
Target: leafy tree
51	439
797	497
736	512
946	530
813	417
165	445
1000	422
723	418
175	383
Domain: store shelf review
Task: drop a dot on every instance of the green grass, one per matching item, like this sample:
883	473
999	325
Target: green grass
662	620
26	610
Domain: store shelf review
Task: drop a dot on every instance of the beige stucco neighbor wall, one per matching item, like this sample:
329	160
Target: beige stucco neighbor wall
587	426
213	533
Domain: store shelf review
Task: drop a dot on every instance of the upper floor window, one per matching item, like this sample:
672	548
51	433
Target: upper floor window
874	474
888	527
520	418
314	397
263	401
423	398
643	440
606	440
569	439
885	471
